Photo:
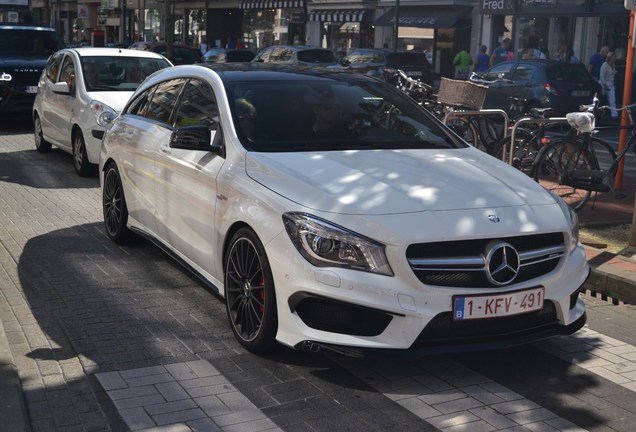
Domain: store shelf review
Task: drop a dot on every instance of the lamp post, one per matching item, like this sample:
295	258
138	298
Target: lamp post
396	25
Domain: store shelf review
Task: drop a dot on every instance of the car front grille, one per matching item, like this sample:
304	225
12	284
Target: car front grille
25	76
463	264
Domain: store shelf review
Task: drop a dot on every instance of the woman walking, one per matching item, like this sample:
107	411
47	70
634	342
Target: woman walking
606	79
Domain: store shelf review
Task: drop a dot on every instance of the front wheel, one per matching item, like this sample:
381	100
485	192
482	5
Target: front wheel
114	206
524	151
250	297
41	145
81	164
467	131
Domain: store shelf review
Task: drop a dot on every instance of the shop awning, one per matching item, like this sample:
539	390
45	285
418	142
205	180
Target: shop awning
356	15
425	16
271	4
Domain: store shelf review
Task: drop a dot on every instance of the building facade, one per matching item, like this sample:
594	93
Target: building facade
559	28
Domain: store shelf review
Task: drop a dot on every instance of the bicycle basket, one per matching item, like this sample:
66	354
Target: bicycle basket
461	93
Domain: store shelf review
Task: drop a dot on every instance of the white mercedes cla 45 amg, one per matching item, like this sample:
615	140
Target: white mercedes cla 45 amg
330	211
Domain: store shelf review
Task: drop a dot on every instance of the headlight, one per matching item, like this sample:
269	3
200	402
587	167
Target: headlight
104	115
573	218
327	245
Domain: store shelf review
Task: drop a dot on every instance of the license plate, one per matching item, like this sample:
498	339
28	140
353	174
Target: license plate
31	89
413	73
580	93
497	305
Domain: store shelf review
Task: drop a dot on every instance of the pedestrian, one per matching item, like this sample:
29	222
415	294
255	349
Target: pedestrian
240	44
606	79
482	60
500	54
462	62
596	61
230	43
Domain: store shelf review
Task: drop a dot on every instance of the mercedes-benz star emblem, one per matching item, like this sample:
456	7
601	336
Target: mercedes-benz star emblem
502	263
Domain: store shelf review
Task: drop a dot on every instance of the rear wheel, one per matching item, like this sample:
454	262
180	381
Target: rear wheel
555	169
467	131
249	292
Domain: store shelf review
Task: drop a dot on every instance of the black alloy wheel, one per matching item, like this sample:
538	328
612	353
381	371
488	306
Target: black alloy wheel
249	293
114	206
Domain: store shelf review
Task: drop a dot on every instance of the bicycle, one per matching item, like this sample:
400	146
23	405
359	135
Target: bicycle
529	139
575	166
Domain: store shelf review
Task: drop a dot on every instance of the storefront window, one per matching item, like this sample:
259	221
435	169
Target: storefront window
258	28
548	3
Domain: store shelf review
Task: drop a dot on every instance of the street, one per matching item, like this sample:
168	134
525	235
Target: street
109	337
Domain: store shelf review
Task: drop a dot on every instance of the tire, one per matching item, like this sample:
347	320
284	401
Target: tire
466	130
250	297
560	157
489	132
82	166
114	207
524	152
41	145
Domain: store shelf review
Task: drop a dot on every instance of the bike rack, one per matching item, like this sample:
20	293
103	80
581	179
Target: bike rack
484	112
527	120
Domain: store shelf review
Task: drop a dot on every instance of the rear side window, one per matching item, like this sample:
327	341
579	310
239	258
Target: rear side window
316	56
524	72
569	72
163	100
357	57
281	55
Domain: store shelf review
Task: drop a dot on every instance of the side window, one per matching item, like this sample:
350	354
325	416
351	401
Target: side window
67	73
163	100
185	55
523	72
53	66
498	72
197	106
139	105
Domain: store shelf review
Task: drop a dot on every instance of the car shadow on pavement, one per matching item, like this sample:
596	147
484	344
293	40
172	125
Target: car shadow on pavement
53	170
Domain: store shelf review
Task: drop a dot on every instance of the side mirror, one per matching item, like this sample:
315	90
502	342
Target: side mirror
61	88
197	138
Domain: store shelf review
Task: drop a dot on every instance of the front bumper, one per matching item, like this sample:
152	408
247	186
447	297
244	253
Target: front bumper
12	100
358	313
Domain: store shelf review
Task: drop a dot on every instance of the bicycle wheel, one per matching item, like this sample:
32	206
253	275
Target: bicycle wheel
524	152
467	131
555	169
489	133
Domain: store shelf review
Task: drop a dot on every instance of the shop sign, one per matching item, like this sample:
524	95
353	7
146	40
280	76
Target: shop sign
82	11
499	7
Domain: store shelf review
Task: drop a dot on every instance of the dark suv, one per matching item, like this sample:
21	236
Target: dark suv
376	61
23	55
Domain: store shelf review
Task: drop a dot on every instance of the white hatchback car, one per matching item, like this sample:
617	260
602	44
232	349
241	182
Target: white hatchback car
332	211
80	91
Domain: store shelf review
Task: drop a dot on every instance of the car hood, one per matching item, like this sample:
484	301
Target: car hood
116	99
376	182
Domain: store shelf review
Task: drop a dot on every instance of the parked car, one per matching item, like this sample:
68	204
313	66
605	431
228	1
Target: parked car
23	54
376	61
331	211
296	54
222	55
183	54
80	92
552	84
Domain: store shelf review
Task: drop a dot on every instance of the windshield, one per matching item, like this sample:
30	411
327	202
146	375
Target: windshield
117	73
34	43
331	115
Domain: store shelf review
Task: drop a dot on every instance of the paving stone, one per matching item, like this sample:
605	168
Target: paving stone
178	416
